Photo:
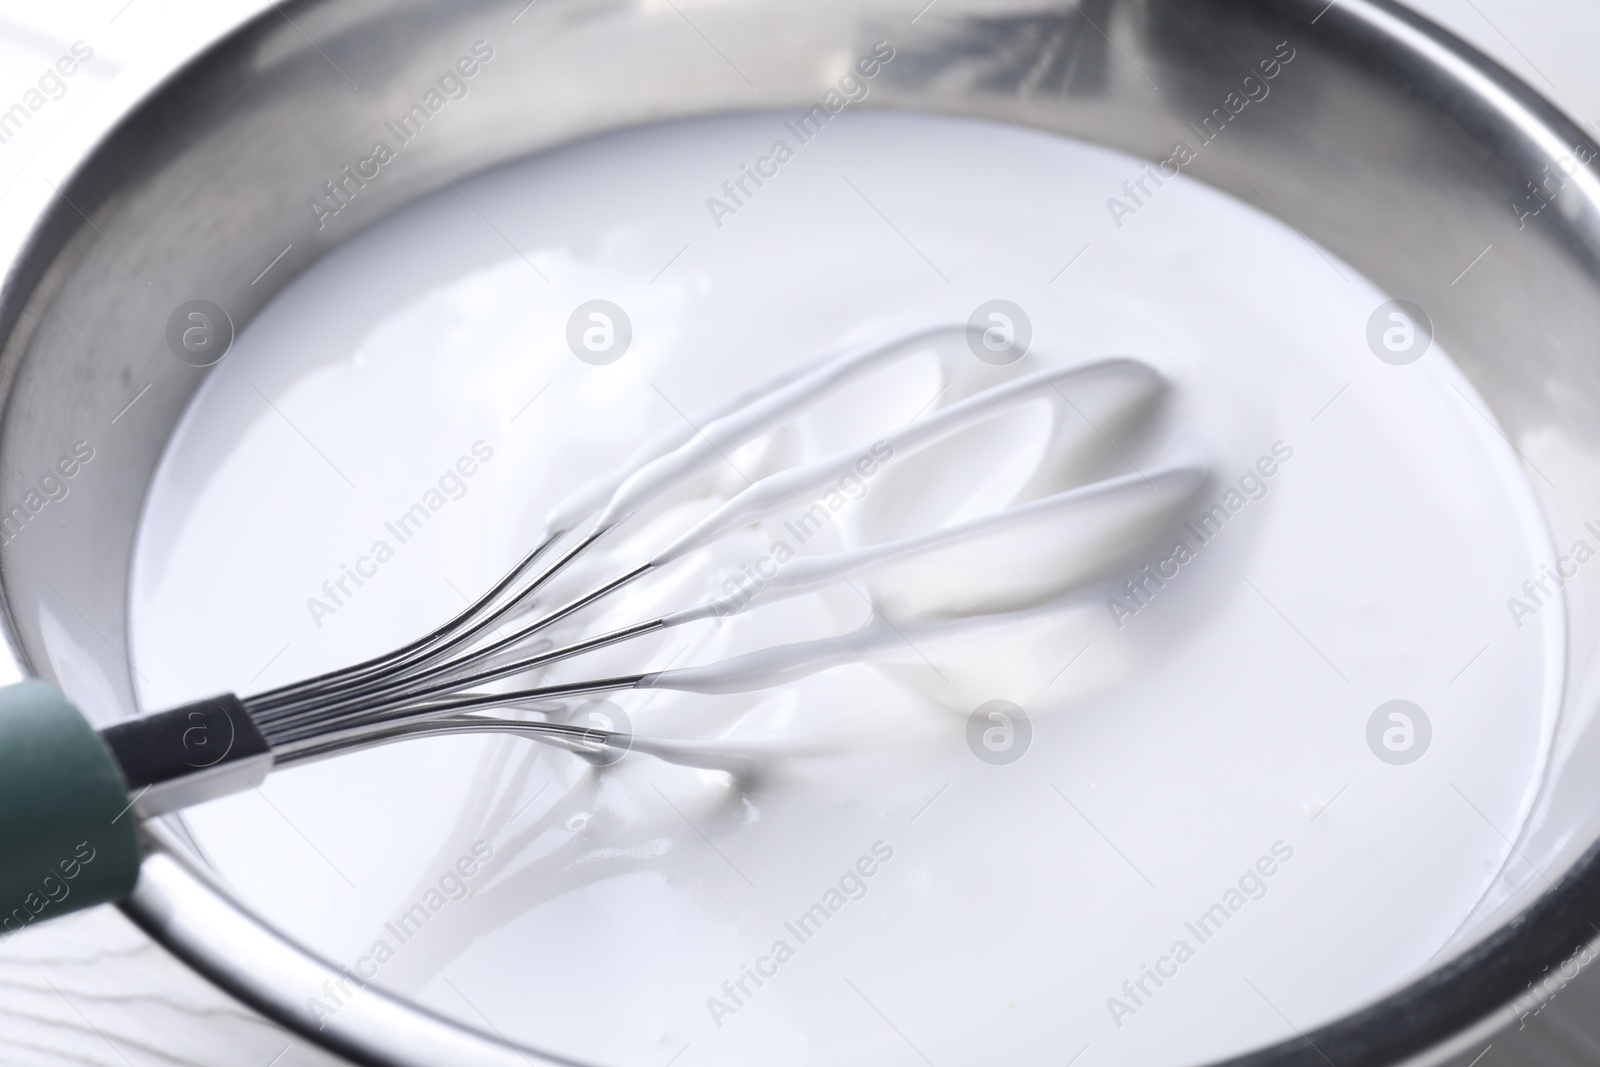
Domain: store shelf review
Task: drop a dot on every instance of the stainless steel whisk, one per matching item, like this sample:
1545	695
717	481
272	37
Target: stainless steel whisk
435	685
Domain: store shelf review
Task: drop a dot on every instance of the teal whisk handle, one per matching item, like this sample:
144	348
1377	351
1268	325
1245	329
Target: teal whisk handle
68	832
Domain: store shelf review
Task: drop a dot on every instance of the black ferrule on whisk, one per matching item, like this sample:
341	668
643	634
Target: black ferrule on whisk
193	753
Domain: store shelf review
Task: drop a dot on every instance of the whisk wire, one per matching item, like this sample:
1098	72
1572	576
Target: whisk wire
430	686
283	695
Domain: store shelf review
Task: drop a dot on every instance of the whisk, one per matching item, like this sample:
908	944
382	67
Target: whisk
473	674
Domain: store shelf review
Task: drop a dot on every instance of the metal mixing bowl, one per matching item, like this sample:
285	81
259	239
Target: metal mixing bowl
1390	142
